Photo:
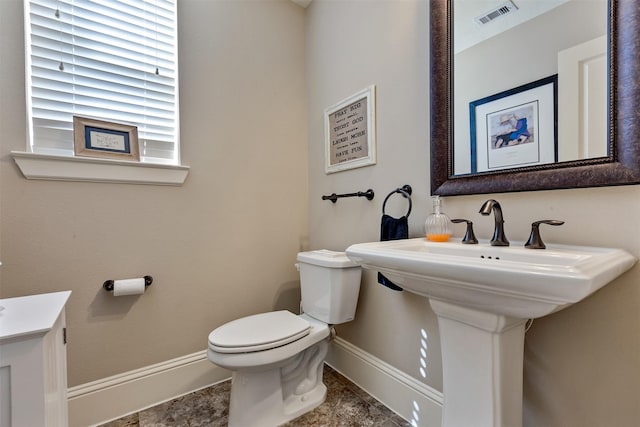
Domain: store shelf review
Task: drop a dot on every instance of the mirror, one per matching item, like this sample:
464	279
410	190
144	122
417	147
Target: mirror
619	163
509	46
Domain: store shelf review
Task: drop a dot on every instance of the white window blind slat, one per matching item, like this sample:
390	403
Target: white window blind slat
85	80
110	50
131	62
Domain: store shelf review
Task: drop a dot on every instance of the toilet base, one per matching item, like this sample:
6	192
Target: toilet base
272	397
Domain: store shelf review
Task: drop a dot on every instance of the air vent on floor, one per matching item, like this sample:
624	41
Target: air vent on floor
501	10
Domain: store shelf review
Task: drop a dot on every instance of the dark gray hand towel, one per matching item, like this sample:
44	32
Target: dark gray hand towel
392	229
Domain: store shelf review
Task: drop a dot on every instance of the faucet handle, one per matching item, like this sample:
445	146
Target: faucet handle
469	236
535	241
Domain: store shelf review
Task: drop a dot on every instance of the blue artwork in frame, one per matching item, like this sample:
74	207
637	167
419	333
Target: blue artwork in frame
107	139
515	128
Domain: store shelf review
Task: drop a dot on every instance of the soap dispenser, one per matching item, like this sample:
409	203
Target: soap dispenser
436	227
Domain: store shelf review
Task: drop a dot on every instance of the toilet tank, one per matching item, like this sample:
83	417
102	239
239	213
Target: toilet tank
330	285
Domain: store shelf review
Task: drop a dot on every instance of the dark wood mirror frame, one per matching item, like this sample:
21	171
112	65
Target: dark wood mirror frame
621	167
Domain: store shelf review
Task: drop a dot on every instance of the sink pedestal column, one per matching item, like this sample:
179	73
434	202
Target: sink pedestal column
482	358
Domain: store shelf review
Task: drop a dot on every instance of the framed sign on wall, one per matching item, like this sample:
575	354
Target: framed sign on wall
350	132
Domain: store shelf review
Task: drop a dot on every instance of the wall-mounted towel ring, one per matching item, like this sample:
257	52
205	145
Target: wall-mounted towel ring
406	191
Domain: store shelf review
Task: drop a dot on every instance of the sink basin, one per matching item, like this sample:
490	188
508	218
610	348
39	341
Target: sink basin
513	280
483	296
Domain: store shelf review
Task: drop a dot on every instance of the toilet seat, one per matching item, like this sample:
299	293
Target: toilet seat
258	332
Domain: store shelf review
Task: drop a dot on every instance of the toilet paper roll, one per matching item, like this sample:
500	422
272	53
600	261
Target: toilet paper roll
128	287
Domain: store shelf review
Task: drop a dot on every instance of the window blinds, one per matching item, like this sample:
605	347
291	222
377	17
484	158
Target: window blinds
105	59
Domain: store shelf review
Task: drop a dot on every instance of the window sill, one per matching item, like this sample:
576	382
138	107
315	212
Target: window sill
84	169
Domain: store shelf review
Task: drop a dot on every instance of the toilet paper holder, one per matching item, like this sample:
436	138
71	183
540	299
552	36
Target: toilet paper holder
108	285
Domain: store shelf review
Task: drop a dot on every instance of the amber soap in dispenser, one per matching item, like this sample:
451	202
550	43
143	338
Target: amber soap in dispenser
436	227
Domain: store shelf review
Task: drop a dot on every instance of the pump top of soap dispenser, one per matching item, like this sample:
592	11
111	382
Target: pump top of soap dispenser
436	227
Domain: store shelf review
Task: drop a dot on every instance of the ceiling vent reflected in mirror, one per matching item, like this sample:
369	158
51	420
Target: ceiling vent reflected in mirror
503	9
472	16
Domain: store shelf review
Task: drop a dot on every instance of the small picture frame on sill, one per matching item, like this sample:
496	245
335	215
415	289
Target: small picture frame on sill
99	138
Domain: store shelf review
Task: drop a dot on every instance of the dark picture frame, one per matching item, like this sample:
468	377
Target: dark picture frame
515	128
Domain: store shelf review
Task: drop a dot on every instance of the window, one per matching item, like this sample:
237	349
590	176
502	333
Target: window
106	59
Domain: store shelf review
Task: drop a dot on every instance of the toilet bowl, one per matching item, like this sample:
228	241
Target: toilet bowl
277	358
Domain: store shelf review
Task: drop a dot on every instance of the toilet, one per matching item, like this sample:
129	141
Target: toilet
277	358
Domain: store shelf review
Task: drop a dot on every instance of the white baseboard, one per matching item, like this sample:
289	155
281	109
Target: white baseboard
416	402
110	398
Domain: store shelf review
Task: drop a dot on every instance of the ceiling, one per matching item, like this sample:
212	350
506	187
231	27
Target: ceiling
468	32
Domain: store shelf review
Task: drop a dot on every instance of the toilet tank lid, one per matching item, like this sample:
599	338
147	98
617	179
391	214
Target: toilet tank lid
326	258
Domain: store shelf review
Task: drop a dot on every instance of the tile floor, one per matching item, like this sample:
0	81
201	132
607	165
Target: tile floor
346	405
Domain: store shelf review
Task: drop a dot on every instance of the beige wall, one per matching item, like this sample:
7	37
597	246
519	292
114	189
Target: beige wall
242	70
581	364
351	45
221	246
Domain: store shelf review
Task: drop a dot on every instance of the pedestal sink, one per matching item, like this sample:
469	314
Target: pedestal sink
483	296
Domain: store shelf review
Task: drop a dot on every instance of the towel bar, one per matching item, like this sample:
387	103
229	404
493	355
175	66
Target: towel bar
334	197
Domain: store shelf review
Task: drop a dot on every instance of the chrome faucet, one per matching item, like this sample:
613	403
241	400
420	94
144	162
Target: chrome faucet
499	238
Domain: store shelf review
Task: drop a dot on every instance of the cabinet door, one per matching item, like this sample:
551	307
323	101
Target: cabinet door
55	375
33	379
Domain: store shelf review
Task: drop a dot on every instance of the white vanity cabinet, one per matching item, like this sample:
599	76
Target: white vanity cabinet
33	361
